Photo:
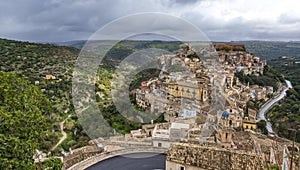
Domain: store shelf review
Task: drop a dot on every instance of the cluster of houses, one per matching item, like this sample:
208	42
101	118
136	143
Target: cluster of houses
182	92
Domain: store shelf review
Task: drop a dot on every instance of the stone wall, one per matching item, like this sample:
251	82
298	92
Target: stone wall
80	155
195	157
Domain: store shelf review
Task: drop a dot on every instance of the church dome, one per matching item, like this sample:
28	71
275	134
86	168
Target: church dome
225	114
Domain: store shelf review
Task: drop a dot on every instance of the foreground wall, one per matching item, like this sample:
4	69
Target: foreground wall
195	157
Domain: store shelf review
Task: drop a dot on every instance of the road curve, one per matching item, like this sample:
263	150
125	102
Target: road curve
262	111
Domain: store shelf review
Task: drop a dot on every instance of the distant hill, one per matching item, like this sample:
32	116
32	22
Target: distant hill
268	50
76	44
133	44
265	49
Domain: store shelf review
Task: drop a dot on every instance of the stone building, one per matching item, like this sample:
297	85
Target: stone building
166	133
189	90
249	124
224	136
231	118
179	131
140	133
252	114
161	135
148	129
50	77
141	99
229	81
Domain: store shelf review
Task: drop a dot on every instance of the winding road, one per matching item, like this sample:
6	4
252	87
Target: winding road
262	112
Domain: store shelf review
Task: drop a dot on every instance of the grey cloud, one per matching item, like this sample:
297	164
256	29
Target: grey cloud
63	20
184	2
288	18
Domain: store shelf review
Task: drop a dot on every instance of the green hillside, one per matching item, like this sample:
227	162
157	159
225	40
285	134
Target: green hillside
24	123
50	68
286	114
37	61
268	50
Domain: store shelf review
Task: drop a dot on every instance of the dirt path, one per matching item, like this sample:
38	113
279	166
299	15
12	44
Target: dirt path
61	125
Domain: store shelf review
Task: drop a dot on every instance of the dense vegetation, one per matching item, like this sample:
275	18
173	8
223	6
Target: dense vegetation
286	114
24	113
229	47
106	72
52	163
270	77
268	50
34	61
261	125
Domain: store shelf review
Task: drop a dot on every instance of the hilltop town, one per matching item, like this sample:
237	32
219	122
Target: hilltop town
183	93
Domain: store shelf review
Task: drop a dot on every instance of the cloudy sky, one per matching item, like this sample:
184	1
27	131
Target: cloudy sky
220	20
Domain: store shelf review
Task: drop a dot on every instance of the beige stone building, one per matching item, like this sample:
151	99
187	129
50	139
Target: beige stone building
188	90
249	125
232	117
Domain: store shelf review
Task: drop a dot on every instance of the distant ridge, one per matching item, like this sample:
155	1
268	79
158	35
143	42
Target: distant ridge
76	43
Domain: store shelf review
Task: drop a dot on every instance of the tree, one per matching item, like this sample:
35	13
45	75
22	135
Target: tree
262	126
23	122
53	164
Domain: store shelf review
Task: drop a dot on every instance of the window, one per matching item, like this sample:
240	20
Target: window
182	168
159	144
226	135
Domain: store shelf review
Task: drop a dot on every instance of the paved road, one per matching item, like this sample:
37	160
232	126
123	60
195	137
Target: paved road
138	161
266	107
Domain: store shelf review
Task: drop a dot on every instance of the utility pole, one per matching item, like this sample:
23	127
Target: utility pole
291	168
